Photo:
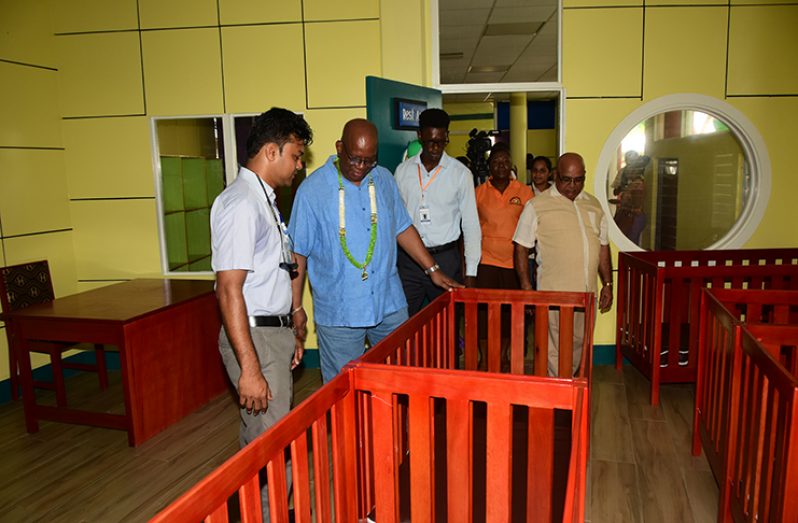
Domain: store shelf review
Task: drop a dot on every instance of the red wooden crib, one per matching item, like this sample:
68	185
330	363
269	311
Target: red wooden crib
723	312
745	401
405	436
658	302
404	433
761	480
430	338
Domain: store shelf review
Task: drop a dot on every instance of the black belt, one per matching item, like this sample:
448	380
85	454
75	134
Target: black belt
442	248
271	321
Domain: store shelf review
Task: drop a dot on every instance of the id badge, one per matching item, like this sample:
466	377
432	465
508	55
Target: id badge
424	215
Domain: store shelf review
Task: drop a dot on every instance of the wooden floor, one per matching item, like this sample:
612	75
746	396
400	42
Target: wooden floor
641	467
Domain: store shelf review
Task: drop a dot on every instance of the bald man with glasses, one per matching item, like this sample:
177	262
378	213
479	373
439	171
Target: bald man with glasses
346	222
568	228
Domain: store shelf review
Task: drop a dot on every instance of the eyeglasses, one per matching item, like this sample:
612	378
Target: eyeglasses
354	161
567	180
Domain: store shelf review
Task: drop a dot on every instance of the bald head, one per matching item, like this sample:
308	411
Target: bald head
357	149
570	175
358	128
570	158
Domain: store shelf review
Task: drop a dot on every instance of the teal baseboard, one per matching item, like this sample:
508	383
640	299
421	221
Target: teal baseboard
311	359
45	372
605	355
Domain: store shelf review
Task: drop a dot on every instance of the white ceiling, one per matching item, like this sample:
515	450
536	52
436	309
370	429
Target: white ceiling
495	41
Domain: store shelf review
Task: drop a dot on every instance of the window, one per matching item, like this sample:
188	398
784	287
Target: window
194	159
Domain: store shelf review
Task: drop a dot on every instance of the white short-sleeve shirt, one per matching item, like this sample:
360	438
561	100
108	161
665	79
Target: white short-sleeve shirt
245	236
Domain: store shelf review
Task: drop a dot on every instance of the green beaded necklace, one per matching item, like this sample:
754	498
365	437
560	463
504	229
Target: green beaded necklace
342	223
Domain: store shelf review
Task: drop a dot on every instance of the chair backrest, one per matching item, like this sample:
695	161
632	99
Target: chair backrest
25	285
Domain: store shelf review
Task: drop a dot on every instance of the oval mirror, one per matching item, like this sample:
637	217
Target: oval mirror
682	179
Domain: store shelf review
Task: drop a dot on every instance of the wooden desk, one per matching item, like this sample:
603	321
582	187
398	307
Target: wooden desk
166	332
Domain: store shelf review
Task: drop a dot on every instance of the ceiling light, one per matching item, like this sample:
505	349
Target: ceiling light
452	56
488	68
520	28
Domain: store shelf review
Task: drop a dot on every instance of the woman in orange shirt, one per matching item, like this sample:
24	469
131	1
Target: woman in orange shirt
500	201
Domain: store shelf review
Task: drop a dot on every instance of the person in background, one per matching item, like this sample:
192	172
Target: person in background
499	204
541	174
568	228
253	262
438	193
346	223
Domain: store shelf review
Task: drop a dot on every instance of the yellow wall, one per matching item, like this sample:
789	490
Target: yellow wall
35	221
459	129
542	142
81	80
110	66
618	55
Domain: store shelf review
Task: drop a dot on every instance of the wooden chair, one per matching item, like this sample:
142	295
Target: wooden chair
30	284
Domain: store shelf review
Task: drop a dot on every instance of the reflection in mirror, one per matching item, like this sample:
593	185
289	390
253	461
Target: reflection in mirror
678	181
192	175
487	41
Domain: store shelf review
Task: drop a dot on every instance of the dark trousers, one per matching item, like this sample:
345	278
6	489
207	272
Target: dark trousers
418	287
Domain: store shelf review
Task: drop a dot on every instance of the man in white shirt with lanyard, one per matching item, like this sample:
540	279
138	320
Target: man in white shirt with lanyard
438	192
264	322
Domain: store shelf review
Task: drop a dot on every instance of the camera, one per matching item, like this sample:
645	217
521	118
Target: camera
477	149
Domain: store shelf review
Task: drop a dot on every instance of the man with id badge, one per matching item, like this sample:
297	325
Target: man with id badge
264	323
438	192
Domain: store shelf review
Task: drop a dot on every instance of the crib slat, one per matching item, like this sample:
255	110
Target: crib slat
321	468
344	452
768	455
517	318
494	337
541	340
540	467
386	478
566	343
459	436
499	462
218	516
301	478
249	501
278	492
422	506
364	451
471	328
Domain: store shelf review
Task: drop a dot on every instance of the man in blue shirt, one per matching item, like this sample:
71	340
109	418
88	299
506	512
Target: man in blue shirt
346	221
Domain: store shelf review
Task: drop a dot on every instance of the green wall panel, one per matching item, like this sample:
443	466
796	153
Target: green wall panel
198	231
214	179
195	192
175	229
172	181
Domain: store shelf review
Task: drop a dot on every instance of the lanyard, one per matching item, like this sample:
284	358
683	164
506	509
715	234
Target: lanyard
286	244
434	174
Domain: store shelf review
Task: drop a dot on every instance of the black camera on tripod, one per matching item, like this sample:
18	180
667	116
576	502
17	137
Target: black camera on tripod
477	150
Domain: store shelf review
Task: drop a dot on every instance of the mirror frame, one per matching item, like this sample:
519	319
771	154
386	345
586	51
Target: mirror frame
751	142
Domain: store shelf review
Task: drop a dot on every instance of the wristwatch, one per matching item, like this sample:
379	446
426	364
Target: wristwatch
432	269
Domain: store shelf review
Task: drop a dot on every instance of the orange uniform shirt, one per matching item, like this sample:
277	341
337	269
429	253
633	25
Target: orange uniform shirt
498	217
